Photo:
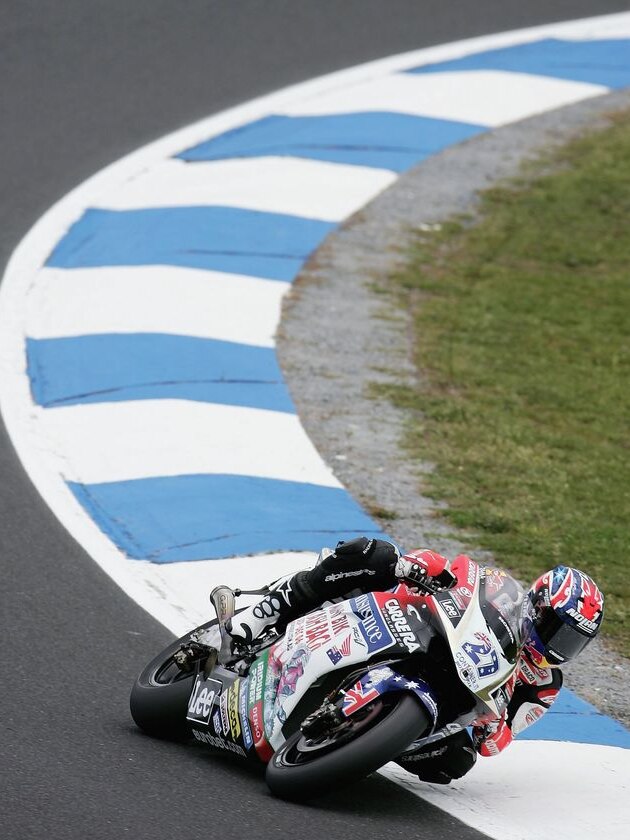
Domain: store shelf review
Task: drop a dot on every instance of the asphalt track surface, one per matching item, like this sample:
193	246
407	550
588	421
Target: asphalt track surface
81	84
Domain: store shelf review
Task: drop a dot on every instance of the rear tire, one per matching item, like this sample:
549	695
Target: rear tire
160	695
297	774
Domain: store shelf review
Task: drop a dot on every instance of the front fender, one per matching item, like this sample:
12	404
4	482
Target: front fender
382	680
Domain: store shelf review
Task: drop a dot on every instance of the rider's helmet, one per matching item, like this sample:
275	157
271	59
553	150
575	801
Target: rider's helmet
562	613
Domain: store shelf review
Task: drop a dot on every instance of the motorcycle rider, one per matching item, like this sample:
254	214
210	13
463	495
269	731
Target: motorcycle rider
561	614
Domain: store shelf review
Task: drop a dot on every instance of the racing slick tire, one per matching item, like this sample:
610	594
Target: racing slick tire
297	771
159	697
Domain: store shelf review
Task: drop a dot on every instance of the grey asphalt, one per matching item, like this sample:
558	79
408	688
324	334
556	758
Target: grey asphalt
82	82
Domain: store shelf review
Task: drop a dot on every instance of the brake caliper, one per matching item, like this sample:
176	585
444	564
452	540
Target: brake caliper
322	721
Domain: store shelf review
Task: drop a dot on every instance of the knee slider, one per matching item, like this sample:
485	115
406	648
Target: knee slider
442	761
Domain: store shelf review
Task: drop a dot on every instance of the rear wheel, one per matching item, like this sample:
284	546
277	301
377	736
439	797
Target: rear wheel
159	697
303	768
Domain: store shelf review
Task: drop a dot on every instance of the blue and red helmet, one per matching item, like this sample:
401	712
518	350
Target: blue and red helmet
562	613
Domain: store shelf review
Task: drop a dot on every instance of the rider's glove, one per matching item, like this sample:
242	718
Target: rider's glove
424	570
492	738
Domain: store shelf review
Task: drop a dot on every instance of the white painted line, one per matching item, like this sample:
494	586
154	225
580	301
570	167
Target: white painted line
311	189
542	790
189	584
484	97
119	441
610	27
154	299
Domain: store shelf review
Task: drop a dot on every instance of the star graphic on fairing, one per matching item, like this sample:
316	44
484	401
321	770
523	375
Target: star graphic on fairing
397	679
411	684
468	648
379	674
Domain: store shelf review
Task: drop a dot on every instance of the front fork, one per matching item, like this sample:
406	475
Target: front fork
365	689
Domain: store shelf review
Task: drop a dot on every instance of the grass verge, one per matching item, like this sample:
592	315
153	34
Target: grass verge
522	343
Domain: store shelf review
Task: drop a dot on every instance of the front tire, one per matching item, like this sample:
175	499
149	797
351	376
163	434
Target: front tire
297	772
160	695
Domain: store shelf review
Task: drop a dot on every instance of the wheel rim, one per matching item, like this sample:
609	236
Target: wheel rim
169	673
300	750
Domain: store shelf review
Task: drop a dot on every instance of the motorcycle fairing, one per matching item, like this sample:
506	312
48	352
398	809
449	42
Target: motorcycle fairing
329	639
257	682
218	713
383	680
480	660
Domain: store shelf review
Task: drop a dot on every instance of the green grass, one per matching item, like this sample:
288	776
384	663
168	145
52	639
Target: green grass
522	343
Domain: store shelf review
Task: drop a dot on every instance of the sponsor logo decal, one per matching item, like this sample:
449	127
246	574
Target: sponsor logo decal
459	600
219	742
216	722
401	626
533	715
373	628
225	722
358	638
202	699
242	708
411	610
319	628
585	623
262	746
331	578
465	671
232	707
256	682
337	653
453	612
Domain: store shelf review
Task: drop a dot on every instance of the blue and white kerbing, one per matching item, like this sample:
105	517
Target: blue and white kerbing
139	378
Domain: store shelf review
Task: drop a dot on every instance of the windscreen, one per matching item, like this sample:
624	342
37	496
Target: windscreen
501	599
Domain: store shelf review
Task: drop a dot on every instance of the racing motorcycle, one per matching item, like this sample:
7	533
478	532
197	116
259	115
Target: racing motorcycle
345	688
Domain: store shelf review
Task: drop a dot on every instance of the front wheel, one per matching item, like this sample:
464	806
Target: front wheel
302	768
159	697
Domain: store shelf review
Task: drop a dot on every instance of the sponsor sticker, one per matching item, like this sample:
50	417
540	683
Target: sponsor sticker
232	707
247	732
216	722
261	744
256	682
225	723
373	628
202	699
453	612
318	629
219	742
398	621
337	653
465	671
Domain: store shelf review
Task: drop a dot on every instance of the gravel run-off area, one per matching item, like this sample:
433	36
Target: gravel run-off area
339	335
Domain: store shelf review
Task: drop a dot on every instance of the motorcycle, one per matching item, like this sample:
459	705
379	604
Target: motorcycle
345	688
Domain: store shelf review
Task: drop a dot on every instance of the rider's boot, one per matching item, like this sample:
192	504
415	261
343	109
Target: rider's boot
287	598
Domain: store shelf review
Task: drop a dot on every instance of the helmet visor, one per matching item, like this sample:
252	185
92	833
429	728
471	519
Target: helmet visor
562	642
